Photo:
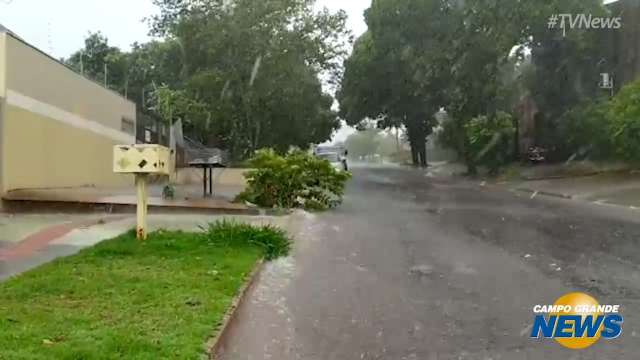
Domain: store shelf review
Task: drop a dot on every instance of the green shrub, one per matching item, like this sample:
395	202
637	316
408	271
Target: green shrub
273	241
624	118
490	140
295	180
583	132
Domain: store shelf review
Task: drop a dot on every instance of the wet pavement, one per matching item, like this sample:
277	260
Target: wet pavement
415	267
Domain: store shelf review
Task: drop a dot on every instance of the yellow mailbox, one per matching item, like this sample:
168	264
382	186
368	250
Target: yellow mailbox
142	159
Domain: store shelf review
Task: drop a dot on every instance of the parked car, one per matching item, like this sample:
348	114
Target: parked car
337	160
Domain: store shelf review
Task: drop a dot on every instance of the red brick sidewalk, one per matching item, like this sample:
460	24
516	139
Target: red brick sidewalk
40	240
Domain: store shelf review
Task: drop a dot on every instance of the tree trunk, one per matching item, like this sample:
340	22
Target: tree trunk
418	141
423	153
415	145
414	155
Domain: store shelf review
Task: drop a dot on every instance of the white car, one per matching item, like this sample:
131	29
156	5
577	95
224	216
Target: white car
338	161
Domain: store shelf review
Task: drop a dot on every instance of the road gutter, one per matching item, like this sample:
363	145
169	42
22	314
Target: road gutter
545	193
213	346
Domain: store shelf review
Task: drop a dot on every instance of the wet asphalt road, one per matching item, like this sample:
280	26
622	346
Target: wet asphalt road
412	267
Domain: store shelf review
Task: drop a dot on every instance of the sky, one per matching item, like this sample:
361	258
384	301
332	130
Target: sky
59	27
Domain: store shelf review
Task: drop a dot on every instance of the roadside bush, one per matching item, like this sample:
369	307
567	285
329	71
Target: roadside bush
273	241
295	180
584	132
624	118
490	140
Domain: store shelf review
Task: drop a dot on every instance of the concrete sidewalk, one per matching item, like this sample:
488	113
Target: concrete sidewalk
605	184
620	188
30	240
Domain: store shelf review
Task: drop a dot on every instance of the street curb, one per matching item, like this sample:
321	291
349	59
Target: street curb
561	177
545	193
583	175
30	206
213	345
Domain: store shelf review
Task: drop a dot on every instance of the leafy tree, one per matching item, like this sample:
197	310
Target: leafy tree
624	115
257	65
573	63
397	72
241	74
585	132
152	65
98	56
363	89
490	139
483	47
172	105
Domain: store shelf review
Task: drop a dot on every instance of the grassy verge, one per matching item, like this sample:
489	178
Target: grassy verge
161	299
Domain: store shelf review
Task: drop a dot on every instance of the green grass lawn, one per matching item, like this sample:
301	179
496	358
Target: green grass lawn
160	299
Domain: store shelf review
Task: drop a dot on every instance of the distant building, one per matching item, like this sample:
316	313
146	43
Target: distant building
57	128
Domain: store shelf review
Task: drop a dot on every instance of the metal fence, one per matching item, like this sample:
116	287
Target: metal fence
195	152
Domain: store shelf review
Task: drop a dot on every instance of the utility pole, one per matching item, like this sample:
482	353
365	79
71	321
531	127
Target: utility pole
82	62
105	74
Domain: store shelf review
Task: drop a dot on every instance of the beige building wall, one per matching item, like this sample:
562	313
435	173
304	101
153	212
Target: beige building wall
2	105
58	127
36	75
2	62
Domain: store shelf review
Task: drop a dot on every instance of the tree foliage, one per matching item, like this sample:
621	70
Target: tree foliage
582	132
490	140
99	61
257	66
398	69
624	117
475	59
240	74
246	74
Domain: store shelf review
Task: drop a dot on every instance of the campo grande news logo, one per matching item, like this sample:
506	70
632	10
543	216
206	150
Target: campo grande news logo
577	321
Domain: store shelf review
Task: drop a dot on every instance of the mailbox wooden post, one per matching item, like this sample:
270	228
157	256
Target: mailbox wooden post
142	206
142	161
